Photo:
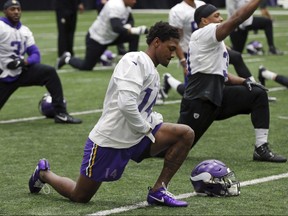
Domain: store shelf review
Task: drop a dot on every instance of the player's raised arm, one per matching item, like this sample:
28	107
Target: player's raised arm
243	13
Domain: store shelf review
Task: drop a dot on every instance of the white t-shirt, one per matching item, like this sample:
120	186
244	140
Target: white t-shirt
101	29
233	5
206	54
127	111
181	16
13	42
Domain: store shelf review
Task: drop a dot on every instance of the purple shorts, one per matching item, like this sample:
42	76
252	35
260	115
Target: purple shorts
108	164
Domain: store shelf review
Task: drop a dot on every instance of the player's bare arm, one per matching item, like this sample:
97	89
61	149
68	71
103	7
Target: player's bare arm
224	29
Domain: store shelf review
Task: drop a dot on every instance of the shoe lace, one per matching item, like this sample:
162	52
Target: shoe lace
38	184
264	150
46	189
166	192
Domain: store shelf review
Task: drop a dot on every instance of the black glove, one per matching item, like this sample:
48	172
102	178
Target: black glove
249	84
16	63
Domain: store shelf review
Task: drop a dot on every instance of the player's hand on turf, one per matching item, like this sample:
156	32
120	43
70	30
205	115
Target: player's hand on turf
250	84
16	63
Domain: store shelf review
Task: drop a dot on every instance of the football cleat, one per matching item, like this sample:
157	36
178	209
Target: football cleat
62	60
260	77
65	118
263	153
274	51
262	81
166	85
160	97
163	197
35	183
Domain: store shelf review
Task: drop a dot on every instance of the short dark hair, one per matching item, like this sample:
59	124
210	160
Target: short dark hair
163	31
203	11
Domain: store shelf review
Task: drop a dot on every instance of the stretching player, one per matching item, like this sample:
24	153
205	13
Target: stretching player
15	71
181	16
99	6
114	25
128	129
239	35
214	94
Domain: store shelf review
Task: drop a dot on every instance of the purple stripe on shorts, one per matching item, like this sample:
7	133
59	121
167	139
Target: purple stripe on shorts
108	164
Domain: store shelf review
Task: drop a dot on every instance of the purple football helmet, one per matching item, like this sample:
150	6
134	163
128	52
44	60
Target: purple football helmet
45	106
214	178
107	58
255	48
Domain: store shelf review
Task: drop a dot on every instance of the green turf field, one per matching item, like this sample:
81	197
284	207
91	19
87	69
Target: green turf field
26	137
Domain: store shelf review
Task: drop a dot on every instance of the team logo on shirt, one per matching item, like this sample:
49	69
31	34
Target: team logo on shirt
196	115
134	63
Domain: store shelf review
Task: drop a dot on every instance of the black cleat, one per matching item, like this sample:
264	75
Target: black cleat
274	51
65	118
260	77
160	97
263	153
61	61
166	85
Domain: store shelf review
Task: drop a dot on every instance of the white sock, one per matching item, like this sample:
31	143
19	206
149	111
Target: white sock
261	136
269	75
174	83
252	79
67	59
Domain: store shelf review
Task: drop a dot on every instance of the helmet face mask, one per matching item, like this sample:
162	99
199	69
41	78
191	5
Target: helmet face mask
213	178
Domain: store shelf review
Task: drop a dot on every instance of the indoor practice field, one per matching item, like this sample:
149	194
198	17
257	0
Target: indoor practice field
26	136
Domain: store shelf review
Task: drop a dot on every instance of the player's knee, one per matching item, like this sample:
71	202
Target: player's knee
261	94
79	199
269	23
188	135
49	72
260	91
238	57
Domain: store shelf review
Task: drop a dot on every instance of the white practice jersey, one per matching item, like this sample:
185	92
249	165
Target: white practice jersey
233	5
206	54
101	30
135	76
181	16
13	42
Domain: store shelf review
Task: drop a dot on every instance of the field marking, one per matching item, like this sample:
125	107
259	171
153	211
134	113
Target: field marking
277	89
9	121
187	195
283	117
34	118
42	117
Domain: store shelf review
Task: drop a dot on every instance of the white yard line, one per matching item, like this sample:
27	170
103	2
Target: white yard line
42	117
187	195
34	118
